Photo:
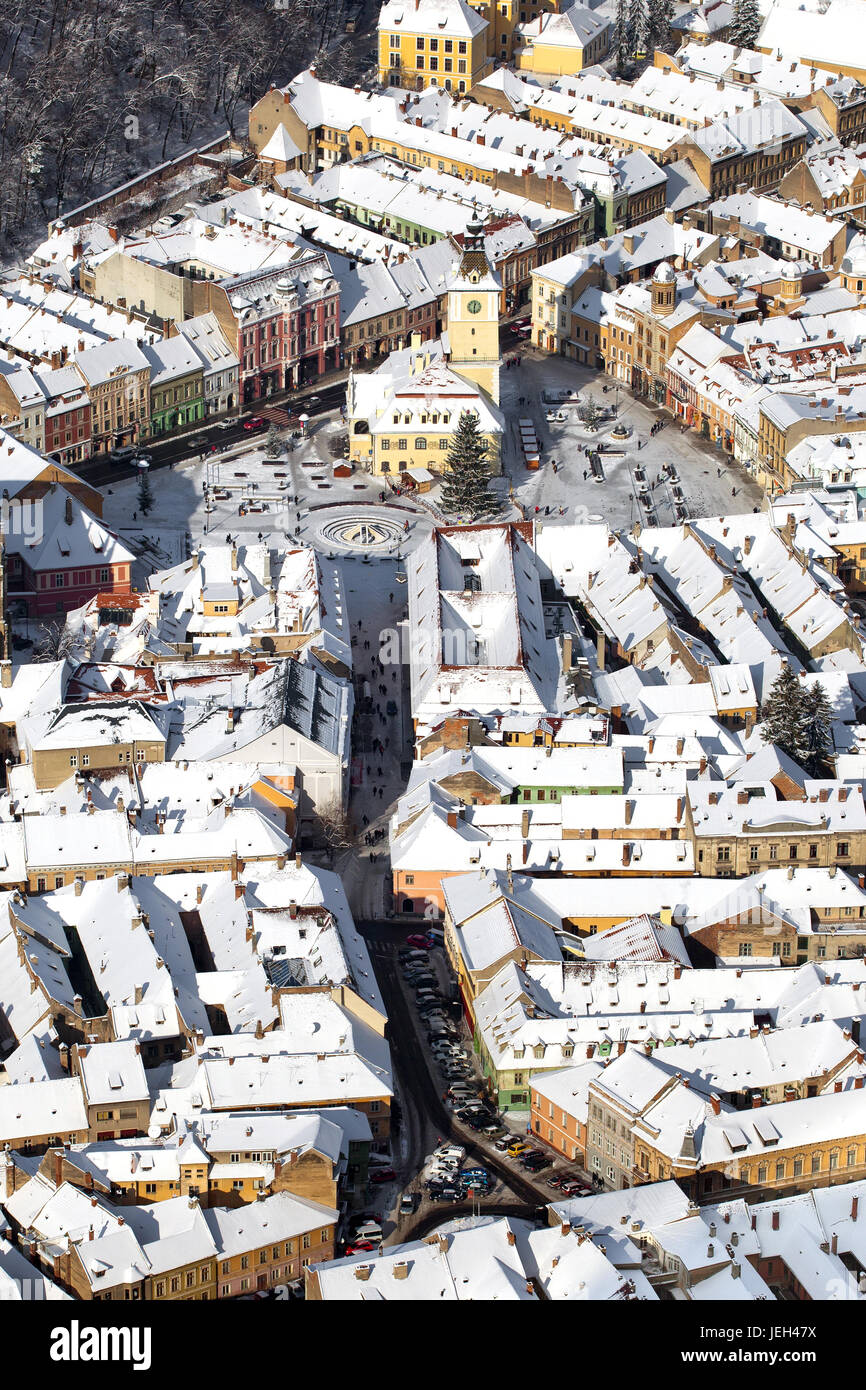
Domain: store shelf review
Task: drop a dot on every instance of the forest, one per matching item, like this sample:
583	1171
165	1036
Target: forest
94	92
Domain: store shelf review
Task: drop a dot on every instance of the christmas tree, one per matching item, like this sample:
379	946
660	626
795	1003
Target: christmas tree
145	492
746	24
273	444
466	487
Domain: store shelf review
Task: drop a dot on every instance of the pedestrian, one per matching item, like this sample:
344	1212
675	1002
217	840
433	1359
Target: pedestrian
584	475
390	598
135	516
378	772
733	492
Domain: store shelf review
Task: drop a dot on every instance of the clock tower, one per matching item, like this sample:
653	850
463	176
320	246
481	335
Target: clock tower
473	314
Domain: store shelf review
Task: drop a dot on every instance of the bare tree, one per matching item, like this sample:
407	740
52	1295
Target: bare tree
54	642
335	827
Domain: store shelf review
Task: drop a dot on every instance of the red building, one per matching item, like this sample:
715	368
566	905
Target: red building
288	325
67	415
58	555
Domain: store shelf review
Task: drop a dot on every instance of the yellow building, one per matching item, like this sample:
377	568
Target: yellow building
403	416
432	43
562	44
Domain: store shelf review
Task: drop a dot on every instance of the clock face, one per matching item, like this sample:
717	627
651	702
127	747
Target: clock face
474	306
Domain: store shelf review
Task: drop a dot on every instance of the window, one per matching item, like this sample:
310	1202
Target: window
780	1170
745	948
753	852
798	1167
842	849
816	1163
851	1157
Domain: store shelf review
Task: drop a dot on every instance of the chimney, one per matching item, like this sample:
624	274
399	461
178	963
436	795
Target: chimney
629	810
511	1238
775	1221
855	1205
68	512
401	1270
524	825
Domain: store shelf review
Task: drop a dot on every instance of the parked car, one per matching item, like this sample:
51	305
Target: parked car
504	1143
383	1175
570	1187
516	1148
417	941
358	1246
450	1194
535	1162
408	1203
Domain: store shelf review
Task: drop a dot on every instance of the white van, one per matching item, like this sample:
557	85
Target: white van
369	1231
450	1151
124	453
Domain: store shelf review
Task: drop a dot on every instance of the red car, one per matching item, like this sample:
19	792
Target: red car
357	1246
256	423
383	1175
418	943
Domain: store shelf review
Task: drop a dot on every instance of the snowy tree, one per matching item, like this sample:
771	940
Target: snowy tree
336	829
54	641
817	724
746	24
658	23
466	487
273	444
784	716
589	413
637	26
620	41
145	492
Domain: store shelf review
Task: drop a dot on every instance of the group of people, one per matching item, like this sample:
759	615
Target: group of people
659	425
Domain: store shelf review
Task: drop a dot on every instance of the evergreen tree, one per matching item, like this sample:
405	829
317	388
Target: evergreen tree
659	14
620	42
273	444
784	718
588	412
145	492
817	722
466	487
637	26
746	24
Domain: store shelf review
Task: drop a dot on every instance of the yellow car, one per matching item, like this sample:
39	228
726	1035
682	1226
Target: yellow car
514	1149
